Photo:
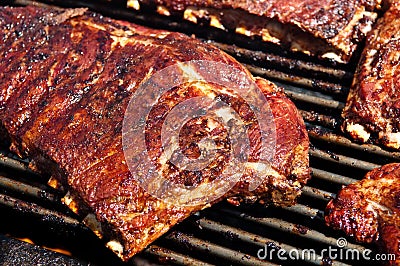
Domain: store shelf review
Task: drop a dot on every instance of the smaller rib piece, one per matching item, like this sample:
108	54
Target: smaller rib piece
369	210
328	29
373	105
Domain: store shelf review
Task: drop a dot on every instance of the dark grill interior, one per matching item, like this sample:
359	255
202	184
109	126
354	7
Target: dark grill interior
222	234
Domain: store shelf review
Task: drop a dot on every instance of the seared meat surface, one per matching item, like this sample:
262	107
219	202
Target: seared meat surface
66	78
372	110
328	29
369	210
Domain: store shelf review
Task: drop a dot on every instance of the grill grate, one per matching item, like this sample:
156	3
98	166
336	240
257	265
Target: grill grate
222	233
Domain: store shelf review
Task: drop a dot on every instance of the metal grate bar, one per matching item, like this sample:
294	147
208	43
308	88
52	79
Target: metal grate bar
331	177
26	189
305	210
318	194
315	100
8	162
32	208
170	256
343	160
202	246
314	84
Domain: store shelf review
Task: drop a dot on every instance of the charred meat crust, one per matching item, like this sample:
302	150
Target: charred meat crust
373	106
369	210
330	29
323	19
66	79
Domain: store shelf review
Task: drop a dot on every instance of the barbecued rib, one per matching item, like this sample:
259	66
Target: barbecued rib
66	77
369	210
328	29
372	110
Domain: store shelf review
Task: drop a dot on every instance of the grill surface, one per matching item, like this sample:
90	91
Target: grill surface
222	234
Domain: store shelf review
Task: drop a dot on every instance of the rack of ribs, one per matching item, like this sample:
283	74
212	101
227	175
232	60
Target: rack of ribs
66	78
372	110
369	210
329	29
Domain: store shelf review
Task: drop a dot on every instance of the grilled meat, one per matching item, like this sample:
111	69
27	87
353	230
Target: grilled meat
328	29
372	110
369	210
67	77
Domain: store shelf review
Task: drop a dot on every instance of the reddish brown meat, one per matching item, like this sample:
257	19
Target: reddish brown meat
330	29
372	110
66	79
369	210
